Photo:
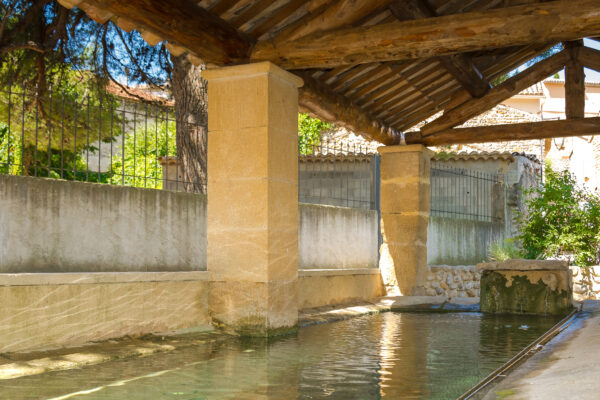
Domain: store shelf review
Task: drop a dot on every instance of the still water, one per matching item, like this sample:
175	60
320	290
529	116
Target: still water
390	355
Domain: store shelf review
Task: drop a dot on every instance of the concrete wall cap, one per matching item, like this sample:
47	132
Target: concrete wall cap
83	278
337	272
523	265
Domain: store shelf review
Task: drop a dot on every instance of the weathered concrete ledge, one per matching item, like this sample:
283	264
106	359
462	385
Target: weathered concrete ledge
524	265
320	315
83	278
337	272
526	287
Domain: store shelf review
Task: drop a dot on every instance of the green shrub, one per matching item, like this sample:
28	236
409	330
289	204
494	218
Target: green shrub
562	219
309	133
504	250
140	166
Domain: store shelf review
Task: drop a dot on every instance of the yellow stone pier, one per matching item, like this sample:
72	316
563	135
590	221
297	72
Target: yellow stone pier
404	218
252	214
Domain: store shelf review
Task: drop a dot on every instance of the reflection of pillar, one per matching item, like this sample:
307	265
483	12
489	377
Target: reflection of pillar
403	357
404	218
253	198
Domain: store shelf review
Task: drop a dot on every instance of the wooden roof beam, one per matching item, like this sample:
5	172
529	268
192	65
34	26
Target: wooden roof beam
331	15
184	23
590	58
501	133
317	99
431	37
574	82
459	65
498	94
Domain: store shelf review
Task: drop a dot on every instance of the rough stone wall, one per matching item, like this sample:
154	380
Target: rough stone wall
452	281
463	281
586	283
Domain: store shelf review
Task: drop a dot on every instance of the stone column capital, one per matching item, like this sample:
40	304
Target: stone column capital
411	148
252	70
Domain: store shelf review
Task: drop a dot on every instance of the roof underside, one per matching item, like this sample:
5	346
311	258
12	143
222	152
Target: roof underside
394	95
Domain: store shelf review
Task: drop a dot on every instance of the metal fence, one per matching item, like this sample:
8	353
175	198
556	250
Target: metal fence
338	173
104	139
466	194
113	140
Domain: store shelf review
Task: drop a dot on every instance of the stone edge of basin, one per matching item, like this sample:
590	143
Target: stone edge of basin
524	265
16	365
320	315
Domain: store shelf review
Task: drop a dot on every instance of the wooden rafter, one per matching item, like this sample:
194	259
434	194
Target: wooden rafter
317	99
459	33
500	133
331	15
498	94
574	82
458	65
183	23
590	58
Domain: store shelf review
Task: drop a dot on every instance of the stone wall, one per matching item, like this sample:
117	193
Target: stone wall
452	281
49	225
454	241
42	310
586	283
318	288
337	237
463	281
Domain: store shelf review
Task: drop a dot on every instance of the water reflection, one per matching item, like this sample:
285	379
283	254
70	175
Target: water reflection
396	356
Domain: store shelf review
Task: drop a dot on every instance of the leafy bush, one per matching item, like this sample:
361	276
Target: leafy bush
562	219
504	250
140	166
309	133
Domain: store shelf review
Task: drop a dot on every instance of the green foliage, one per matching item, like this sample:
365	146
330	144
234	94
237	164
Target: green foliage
562	219
142	150
61	119
444	155
309	133
504	250
10	151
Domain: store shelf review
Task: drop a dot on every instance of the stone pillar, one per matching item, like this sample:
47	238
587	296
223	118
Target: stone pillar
404	218
252	213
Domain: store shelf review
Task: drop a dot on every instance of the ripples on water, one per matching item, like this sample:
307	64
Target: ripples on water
390	355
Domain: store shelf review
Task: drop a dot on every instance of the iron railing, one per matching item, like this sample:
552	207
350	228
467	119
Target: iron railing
112	140
466	194
338	173
96	138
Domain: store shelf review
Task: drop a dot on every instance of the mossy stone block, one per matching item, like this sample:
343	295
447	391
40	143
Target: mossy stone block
546	292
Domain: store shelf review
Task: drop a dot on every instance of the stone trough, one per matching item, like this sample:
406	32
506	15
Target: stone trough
526	287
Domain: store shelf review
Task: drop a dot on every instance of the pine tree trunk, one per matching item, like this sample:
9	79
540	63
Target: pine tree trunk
189	93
